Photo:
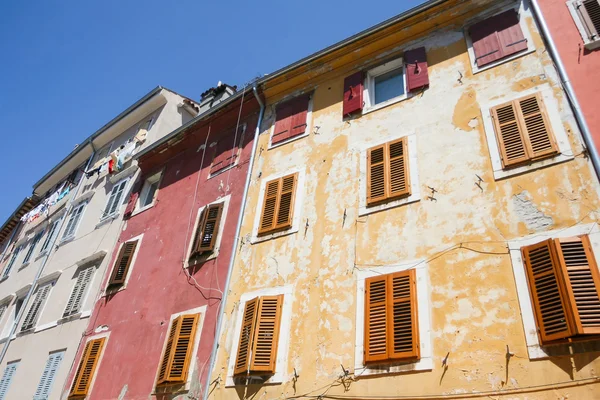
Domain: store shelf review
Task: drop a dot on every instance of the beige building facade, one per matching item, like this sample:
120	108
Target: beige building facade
422	221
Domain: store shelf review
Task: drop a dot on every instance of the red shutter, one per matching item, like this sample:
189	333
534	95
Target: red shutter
225	153
283	122
417	76
299	115
486	44
353	93
510	34
135	194
291	119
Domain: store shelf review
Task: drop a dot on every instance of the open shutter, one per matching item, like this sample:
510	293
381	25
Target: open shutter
87	367
267	218
285	205
580	272
181	348
547	291
403	327
167	358
376	319
225	154
399	177
122	263
534	121
208	228
45	385
353	93
7	376
266	336
511	140
133	198
417	75
589	14
242	361
376	179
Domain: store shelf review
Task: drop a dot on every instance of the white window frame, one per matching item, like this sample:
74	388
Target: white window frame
534	348
425	363
51	235
523	15
112	266
106	336
55	353
84	298
298	202
369	85
309	119
48	280
32	245
155	178
215	253
285	327
565	153
125	182
589	44
413	169
181	388
81	206
11	262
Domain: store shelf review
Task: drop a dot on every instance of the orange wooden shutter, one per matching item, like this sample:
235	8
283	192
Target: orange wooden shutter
123	263
266	336
376	182
177	355
399	181
511	140
535	122
278	205
403	326
166	360
267	219
547	291
87	367
208	228
582	279
246	334
376	320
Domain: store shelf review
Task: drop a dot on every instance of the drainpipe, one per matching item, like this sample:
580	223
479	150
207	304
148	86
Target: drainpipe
566	82
17	319
213	354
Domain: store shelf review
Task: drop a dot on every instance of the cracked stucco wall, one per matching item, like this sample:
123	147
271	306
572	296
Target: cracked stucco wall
463	232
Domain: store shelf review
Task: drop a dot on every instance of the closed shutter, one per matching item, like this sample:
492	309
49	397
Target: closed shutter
388	174
242	359
79	290
3	309
497	37
87	368
122	263
226	153
391	318
589	14
486	44
417	75
278	206
73	221
45	385
50	236
511	37
40	299
535	123
376	181
7	376
283	122
353	93
208	229
178	351
114	200
399	179
291	119
547	291
509	134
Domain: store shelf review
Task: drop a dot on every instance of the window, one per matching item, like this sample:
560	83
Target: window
87	368
47	379
586	14
291	119
73	221
143	129
259	336
122	264
7	376
52	232
208	229
385	84
497	38
84	277
388	172
3	309
523	131
278	206
177	355
227	150
10	264
114	200
34	242
149	191
41	295
564	285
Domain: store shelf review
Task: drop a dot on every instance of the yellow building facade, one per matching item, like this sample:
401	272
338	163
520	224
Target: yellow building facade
480	164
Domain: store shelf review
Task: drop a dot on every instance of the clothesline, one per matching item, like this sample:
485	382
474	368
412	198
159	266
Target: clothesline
45	205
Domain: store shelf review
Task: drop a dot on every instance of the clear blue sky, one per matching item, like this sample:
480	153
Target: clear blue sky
68	67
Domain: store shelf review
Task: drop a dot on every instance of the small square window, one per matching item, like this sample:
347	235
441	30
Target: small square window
385	84
149	191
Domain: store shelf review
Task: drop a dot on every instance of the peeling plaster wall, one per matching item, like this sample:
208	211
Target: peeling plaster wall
462	232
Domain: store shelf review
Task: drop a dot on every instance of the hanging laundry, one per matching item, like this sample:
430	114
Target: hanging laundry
64	193
91	172
111	165
103	168
125	154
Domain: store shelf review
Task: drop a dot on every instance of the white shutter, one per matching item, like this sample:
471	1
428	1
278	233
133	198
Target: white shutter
73	221
51	233
11	262
3	309
114	200
43	389
9	372
36	306
79	290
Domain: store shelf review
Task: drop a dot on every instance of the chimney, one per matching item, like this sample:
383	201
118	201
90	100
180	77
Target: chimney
215	95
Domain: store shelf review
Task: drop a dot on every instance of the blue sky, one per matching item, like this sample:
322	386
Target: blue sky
68	67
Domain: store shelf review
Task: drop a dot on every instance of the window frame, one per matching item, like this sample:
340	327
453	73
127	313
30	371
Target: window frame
66	237
108	288
369	85
309	119
104	216
11	262
48	366
239	143
36	317
37	237
194	260
78	360
148	182
425	362
590	44
523	14
51	233
12	376
86	292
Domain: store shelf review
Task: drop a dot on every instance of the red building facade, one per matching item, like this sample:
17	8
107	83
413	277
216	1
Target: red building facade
152	330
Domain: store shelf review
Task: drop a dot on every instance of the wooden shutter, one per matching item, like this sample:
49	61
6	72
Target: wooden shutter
376	167
242	359
589	14
399	178
40	299
510	137
83	279
534	121
278	205
582	282
266	336
133	198
208	229
417	75
388	174
486	44
299	115
391	318
87	368
511	37
226	153
7	376
353	93
45	385
547	290
122	264
177	356
290	119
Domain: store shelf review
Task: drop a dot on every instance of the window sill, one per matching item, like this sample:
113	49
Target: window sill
219	172
233	381
127	171
366	210
274	235
369	109
2	279
507	173
45	326
66	240
289	140
202	258
141	210
107	219
24	265
592	45
69	318
424	364
42	254
508	59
